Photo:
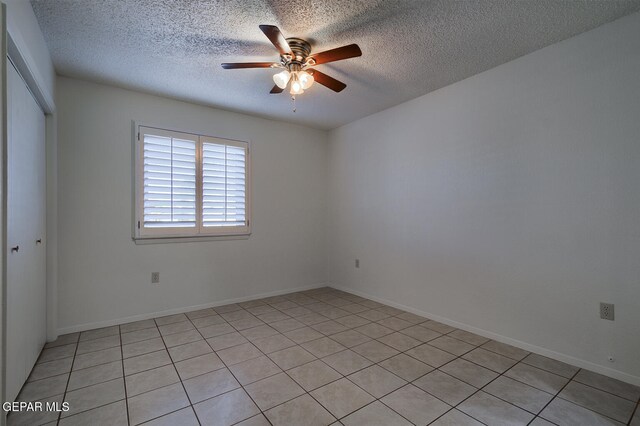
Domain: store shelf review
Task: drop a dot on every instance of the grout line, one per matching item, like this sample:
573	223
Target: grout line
558	393
146	369
141	340
228	369
383	396
635	411
580	405
602	390
94	408
100	382
166	414
64	397
184	389
467	398
501	354
523	361
452	409
535	414
124	380
98	350
46	378
543	419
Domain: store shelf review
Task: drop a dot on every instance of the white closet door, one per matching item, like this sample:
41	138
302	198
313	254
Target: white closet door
26	226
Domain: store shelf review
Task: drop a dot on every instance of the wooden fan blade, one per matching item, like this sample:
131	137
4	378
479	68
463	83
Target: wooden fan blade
239	65
338	54
325	80
276	89
275	36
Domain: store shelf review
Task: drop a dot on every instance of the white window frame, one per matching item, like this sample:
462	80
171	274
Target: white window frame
177	234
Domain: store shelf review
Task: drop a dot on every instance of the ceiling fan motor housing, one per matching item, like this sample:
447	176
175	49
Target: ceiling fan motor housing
301	50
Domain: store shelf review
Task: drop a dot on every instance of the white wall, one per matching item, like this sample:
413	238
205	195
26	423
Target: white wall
507	202
104	276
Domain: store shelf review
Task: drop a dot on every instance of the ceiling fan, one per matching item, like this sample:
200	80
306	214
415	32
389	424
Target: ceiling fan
297	62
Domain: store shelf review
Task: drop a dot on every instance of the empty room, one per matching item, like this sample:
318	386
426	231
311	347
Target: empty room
320	212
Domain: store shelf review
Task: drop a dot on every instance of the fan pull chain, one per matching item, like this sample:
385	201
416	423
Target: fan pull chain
293	98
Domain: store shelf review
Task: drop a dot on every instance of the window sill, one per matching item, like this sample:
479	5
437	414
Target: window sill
190	239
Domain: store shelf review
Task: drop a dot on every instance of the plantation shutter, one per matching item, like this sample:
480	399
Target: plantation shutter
190	185
223	185
169	180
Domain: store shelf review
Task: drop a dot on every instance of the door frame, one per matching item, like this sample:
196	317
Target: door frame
13	48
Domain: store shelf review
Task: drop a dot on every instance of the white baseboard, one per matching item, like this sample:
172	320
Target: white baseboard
118	321
616	374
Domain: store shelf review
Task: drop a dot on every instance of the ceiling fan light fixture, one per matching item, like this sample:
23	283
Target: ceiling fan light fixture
281	79
306	79
296	86
295	61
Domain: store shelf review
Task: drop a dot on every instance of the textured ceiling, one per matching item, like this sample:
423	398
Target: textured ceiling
410	47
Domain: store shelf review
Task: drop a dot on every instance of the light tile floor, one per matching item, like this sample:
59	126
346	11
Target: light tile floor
317	357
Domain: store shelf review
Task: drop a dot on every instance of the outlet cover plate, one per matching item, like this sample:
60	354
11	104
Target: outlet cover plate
607	311
155	277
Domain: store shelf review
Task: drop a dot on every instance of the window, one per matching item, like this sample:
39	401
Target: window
190	185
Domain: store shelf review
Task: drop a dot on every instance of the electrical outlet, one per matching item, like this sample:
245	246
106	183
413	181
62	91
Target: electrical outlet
606	311
357	263
155	277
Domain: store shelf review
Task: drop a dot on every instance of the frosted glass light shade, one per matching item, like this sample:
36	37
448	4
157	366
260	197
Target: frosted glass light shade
296	87
306	79
281	79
